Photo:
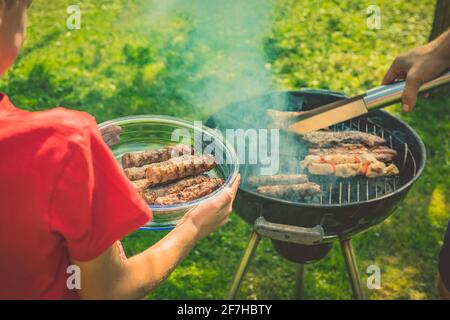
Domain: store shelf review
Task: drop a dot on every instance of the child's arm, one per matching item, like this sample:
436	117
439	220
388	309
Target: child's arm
107	277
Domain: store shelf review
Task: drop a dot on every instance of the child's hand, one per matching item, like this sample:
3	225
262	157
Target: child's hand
418	66
111	134
214	213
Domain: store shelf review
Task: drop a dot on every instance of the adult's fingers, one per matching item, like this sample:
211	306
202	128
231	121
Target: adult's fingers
233	190
111	134
234	186
412	86
224	200
392	74
112	141
224	222
397	70
111	129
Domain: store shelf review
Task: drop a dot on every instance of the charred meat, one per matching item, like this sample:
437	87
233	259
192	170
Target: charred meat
381	153
190	193
151	194
290	192
136	173
140	185
279	179
341	165
178	168
331	138
141	158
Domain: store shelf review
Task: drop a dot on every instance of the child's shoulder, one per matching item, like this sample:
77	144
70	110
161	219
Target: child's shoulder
59	123
70	124
48	137
68	118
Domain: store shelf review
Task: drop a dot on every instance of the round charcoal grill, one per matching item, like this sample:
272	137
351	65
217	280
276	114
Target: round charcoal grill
304	231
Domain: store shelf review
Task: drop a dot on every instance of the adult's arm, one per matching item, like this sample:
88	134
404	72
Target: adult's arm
419	66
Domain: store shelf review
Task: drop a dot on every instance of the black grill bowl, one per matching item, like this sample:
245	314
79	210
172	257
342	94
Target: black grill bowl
338	220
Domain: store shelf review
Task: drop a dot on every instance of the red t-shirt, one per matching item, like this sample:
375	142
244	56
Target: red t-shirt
62	194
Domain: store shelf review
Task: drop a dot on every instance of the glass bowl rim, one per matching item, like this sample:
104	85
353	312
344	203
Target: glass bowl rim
228	149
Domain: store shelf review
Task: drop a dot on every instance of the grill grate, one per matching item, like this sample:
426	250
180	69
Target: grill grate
336	190
357	189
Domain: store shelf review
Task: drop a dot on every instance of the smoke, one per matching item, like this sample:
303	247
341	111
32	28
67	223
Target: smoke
227	40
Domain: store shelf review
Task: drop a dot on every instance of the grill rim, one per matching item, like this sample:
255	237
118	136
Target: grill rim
343	220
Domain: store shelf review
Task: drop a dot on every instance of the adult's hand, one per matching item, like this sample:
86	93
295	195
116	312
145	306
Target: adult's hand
419	66
111	134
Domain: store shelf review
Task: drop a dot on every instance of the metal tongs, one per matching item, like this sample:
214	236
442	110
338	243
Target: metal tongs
350	108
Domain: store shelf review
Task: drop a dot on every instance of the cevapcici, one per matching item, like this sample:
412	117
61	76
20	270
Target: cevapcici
151	194
191	193
278	179
136	173
178	168
141	158
290	191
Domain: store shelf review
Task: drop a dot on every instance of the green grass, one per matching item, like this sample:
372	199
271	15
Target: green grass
134	57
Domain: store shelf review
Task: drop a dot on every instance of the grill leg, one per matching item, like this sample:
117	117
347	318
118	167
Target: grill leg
352	269
299	282
243	265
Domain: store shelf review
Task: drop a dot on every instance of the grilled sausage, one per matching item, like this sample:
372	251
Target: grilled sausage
331	138
178	168
140	185
381	153
151	194
141	158
348	166
136	173
279	179
190	193
292	191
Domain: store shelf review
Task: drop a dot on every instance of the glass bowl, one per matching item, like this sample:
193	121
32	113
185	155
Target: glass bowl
143	132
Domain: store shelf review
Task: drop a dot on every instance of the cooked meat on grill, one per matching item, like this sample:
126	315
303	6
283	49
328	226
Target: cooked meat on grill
381	170
140	158
278	179
190	193
293	191
370	170
178	168
151	194
331	138
340	158
336	159
339	165
381	153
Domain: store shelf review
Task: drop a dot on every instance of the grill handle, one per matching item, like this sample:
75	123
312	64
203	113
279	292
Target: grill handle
392	93
288	233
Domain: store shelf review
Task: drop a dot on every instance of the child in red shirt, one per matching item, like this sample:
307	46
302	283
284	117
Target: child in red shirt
65	201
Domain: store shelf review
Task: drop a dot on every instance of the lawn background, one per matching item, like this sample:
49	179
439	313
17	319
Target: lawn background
136	57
